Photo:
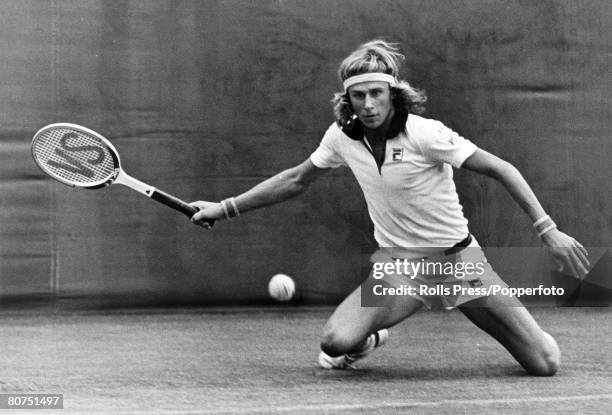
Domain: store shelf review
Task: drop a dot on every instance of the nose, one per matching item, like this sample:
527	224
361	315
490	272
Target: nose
369	102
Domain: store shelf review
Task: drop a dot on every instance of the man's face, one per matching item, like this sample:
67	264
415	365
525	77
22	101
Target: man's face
372	103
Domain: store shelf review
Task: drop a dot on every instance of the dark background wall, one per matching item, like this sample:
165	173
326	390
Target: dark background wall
206	98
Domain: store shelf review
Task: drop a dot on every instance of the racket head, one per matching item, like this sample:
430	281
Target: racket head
75	155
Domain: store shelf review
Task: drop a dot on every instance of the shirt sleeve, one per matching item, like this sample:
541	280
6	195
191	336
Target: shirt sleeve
326	155
442	144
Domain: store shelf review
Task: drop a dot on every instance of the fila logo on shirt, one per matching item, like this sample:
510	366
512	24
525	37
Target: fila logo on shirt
397	154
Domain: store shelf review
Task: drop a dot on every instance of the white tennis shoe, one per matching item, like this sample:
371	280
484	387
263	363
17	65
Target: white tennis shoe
346	361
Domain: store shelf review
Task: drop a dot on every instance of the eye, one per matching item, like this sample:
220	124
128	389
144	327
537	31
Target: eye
357	95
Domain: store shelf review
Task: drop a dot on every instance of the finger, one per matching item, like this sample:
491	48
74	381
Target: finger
565	265
577	267
582	256
582	249
198	216
572	267
203	224
558	263
580	268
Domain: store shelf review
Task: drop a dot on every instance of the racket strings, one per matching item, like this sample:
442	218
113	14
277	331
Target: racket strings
74	156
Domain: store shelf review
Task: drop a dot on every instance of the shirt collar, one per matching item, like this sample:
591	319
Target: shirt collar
354	129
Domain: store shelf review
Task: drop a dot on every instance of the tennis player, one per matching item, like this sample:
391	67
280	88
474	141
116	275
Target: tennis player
404	165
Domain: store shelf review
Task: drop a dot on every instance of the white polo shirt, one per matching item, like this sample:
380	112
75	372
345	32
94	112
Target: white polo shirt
413	201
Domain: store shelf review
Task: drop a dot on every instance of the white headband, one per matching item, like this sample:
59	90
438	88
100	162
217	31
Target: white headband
369	77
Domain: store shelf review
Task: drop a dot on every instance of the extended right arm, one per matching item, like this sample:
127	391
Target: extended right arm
283	186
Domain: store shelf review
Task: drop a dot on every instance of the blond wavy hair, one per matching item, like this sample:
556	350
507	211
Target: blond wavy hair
377	56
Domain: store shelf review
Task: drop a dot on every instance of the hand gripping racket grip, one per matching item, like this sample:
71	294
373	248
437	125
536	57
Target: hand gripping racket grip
176	203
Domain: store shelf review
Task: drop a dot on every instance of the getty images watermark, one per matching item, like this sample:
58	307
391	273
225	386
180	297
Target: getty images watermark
449	280
442	273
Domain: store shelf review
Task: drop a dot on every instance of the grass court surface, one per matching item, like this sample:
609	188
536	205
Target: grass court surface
263	361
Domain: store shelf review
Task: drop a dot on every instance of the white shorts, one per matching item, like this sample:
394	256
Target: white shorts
439	281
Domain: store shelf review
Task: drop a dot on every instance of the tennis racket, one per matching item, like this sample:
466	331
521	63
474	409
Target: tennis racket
80	157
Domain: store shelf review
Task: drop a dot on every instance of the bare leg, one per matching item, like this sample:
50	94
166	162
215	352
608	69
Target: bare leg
512	325
351	324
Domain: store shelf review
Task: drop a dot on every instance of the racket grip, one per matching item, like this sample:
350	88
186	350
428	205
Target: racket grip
177	204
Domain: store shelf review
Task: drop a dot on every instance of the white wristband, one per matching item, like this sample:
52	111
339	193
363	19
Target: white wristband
233	202
541	220
546	229
225	211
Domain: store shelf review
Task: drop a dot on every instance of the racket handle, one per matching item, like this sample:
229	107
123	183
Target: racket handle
177	204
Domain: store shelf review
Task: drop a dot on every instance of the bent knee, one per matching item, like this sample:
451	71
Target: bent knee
548	359
547	366
336	343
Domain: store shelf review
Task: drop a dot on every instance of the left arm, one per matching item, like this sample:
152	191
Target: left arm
567	252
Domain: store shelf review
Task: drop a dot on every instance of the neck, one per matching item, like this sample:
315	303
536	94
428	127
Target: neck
380	133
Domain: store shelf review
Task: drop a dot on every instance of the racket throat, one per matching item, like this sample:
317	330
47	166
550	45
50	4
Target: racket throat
126	180
156	194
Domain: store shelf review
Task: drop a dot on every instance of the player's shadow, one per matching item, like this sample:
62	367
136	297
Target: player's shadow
379	373
595	290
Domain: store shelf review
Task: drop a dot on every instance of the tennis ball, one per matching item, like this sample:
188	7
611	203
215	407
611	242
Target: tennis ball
281	287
